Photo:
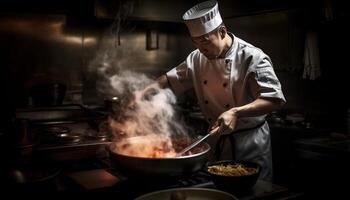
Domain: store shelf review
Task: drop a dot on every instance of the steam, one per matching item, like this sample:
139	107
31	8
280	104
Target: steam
144	108
149	113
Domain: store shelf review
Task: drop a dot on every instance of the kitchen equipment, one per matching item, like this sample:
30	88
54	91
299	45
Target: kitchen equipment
33	177
188	194
234	183
191	146
51	94
295	118
21	136
65	133
22	141
173	166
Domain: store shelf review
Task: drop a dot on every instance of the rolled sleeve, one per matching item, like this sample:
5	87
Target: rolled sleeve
266	83
180	78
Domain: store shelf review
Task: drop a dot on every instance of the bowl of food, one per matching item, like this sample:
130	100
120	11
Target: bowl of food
233	176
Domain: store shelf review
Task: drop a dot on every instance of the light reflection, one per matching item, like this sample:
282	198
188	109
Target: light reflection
89	40
45	29
34	27
79	39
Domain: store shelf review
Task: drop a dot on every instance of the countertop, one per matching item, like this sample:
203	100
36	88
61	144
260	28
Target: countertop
96	181
327	146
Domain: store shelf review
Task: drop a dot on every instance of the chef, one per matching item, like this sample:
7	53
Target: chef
235	84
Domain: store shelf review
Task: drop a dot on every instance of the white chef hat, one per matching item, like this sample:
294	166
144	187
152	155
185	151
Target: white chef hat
202	18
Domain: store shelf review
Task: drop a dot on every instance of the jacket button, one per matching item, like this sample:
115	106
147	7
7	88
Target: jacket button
206	102
205	82
227	105
225	84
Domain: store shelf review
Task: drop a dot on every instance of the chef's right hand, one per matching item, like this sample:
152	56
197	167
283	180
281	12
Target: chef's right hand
226	123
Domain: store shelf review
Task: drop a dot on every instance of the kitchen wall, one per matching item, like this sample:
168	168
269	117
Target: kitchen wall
44	49
55	48
39	51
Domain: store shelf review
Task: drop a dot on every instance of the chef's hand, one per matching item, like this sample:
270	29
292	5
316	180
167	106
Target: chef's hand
152	89
149	92
225	124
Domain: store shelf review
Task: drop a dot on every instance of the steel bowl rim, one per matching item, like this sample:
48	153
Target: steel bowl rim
184	189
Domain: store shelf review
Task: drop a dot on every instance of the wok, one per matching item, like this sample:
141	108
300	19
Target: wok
173	166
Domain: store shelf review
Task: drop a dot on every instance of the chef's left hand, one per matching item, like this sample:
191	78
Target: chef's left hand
226	123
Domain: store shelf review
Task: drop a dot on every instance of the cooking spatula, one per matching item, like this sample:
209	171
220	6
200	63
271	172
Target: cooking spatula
191	146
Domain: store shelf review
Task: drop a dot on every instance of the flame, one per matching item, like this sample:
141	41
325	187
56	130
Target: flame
150	146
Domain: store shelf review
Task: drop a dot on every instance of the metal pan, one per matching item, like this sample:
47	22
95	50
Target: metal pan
174	166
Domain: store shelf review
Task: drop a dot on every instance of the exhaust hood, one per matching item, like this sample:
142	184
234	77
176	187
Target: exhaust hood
171	10
150	10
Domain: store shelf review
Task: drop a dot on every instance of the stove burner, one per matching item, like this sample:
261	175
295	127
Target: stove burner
68	138
57	129
97	136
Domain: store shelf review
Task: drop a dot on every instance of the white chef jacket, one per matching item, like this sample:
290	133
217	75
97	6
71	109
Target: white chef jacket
245	74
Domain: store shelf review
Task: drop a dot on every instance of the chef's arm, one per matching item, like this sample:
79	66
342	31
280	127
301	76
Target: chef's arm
151	89
260	106
226	122
163	81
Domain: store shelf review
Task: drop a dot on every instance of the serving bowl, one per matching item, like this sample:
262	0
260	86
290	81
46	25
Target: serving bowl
233	176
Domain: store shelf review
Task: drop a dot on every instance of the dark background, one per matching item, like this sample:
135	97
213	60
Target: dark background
46	42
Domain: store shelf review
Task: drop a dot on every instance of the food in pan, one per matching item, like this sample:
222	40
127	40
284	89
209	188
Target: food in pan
231	170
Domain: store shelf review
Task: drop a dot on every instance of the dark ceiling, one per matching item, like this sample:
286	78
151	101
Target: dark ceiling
86	7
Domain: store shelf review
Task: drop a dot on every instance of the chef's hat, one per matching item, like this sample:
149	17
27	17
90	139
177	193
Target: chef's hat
202	18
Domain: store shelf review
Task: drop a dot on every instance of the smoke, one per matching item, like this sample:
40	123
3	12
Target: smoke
144	108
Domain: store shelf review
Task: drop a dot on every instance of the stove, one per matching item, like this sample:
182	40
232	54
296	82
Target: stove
107	180
76	144
67	133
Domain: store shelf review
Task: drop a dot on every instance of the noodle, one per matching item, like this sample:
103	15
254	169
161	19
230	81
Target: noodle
231	170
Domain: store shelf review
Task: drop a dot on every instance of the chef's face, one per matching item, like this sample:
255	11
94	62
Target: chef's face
211	44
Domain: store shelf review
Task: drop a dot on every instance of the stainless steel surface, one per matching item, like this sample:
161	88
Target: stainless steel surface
48	94
67	133
144	10
167	10
189	194
53	48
